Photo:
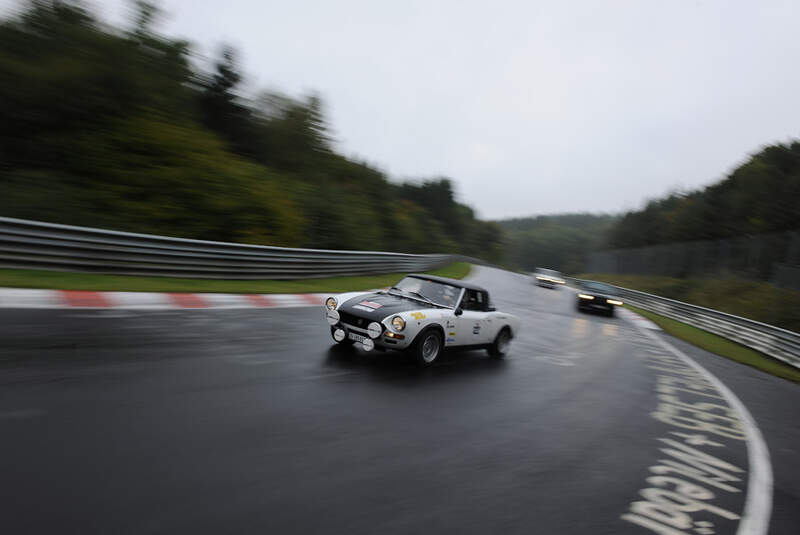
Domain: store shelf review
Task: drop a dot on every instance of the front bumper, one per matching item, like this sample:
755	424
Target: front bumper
594	304
388	339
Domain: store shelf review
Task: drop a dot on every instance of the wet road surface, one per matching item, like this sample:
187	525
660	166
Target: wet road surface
242	421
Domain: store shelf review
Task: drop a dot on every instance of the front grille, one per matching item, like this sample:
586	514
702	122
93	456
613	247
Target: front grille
351	319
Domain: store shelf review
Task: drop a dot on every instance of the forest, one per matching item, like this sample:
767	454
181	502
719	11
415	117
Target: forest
759	196
559	242
119	128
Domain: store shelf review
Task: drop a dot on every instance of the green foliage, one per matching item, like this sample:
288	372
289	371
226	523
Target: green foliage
115	129
761	195
559	242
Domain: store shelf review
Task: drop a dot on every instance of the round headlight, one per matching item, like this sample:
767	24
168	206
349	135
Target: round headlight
374	329
398	323
332	317
330	303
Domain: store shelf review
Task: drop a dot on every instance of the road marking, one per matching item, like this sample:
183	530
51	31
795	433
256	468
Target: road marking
84	298
758	501
188	300
260	300
636	319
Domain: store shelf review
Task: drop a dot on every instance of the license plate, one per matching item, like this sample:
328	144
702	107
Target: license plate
356	337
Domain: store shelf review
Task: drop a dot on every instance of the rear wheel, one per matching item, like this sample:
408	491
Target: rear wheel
428	348
499	347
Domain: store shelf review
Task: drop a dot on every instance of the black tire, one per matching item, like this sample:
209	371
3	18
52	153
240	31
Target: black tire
345	342
428	347
499	347
610	312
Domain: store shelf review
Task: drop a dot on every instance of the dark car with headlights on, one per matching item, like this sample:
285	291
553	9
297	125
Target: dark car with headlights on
598	296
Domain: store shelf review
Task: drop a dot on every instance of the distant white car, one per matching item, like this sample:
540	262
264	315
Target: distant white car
549	278
423	314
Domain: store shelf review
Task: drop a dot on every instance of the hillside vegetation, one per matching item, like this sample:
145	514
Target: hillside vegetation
559	242
761	195
118	128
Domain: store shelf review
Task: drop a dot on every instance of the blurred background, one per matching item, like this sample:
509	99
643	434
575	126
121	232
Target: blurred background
108	121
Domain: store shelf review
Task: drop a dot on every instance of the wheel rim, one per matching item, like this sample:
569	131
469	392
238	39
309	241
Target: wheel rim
430	348
502	342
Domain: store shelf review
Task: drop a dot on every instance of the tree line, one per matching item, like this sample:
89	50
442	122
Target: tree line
761	195
560	242
120	129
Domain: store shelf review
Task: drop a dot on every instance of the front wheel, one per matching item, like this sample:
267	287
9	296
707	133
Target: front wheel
499	347
428	348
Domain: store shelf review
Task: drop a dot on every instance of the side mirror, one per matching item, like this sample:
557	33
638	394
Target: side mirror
492	308
458	311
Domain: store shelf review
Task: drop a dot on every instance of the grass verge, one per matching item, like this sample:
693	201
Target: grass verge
721	346
57	280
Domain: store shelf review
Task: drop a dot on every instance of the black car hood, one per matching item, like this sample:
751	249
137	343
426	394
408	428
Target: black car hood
378	305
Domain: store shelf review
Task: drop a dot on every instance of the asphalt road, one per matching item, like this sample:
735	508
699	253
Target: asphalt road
249	421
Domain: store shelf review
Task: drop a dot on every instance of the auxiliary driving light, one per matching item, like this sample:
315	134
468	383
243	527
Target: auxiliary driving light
584	296
374	329
338	335
332	316
368	344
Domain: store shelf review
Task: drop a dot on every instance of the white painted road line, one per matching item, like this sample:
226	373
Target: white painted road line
758	501
636	319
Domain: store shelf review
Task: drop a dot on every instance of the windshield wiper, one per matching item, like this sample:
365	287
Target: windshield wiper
416	295
425	299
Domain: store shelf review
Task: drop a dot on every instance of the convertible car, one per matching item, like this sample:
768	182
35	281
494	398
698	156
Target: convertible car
422	314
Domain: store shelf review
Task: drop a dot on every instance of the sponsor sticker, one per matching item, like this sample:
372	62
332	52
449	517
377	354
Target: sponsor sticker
363	308
371	304
418	315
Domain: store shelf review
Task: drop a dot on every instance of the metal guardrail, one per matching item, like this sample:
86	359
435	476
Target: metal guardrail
38	245
778	343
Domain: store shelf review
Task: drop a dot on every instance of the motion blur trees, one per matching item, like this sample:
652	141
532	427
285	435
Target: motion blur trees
761	195
559	242
117	129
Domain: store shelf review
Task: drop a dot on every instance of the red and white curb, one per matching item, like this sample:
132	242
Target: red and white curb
28	298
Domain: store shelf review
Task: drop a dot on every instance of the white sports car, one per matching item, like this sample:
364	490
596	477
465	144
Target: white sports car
423	314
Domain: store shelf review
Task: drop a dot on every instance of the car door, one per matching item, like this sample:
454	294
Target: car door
471	325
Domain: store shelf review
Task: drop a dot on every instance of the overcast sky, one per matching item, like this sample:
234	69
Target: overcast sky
531	107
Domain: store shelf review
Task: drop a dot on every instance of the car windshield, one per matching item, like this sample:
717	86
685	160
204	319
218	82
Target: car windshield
437	292
543	271
598	287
